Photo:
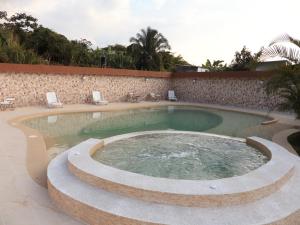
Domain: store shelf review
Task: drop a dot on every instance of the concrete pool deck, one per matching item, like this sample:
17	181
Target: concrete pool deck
24	201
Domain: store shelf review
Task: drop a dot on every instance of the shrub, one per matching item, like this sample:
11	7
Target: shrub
286	84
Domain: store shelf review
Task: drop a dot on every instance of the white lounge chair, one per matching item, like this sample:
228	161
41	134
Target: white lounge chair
8	103
53	101
98	98
171	95
132	97
153	97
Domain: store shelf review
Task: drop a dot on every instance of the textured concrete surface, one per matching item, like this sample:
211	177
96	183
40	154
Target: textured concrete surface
22	201
282	139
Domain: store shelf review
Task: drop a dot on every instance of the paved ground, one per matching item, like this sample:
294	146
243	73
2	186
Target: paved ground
22	200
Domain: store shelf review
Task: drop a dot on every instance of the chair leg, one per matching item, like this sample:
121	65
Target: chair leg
12	106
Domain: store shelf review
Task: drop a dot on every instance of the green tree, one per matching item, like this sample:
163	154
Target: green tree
245	60
53	47
11	51
215	66
147	47
169	61
23	40
286	84
277	48
95	57
118	56
81	52
20	23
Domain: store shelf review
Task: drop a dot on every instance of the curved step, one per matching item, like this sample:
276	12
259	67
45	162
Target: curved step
97	206
204	193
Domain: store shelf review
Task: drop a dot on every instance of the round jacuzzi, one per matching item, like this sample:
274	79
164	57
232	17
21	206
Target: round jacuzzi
188	156
181	167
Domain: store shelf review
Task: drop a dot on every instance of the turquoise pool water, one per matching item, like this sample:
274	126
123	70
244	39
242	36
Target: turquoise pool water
66	130
181	156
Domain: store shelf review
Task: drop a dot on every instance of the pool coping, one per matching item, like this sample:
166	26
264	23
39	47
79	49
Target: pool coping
205	193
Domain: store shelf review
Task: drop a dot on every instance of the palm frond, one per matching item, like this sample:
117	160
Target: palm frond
285	38
291	54
133	40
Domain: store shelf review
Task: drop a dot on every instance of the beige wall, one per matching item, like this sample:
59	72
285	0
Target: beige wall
30	89
241	92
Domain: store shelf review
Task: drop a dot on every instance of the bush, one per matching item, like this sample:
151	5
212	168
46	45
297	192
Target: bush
286	84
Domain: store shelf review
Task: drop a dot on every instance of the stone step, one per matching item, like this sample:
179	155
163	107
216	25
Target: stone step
204	193
97	206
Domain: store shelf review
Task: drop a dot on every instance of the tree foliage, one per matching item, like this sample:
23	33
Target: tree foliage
215	66
286	84
277	48
23	40
244	60
286	81
169	61
12	51
147	49
51	46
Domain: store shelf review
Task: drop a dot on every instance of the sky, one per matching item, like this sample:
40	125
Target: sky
196	29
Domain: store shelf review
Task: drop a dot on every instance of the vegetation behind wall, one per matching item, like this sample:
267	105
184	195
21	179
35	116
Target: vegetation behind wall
23	40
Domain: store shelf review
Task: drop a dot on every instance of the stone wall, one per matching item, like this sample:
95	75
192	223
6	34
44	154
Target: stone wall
30	89
241	92
29	83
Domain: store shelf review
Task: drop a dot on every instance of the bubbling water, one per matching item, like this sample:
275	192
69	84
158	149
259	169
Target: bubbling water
182	156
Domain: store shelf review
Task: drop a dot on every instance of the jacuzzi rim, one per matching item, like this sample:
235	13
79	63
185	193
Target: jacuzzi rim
275	170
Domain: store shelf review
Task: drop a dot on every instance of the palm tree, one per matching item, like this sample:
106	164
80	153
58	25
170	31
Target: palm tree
146	48
285	83
276	48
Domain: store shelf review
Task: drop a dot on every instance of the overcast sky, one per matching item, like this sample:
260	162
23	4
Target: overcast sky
196	29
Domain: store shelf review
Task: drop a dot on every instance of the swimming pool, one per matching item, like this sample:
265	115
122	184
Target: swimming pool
63	131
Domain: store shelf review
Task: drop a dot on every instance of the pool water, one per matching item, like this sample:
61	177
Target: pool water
181	156
63	131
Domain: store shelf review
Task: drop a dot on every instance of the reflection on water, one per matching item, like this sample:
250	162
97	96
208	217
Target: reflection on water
64	131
